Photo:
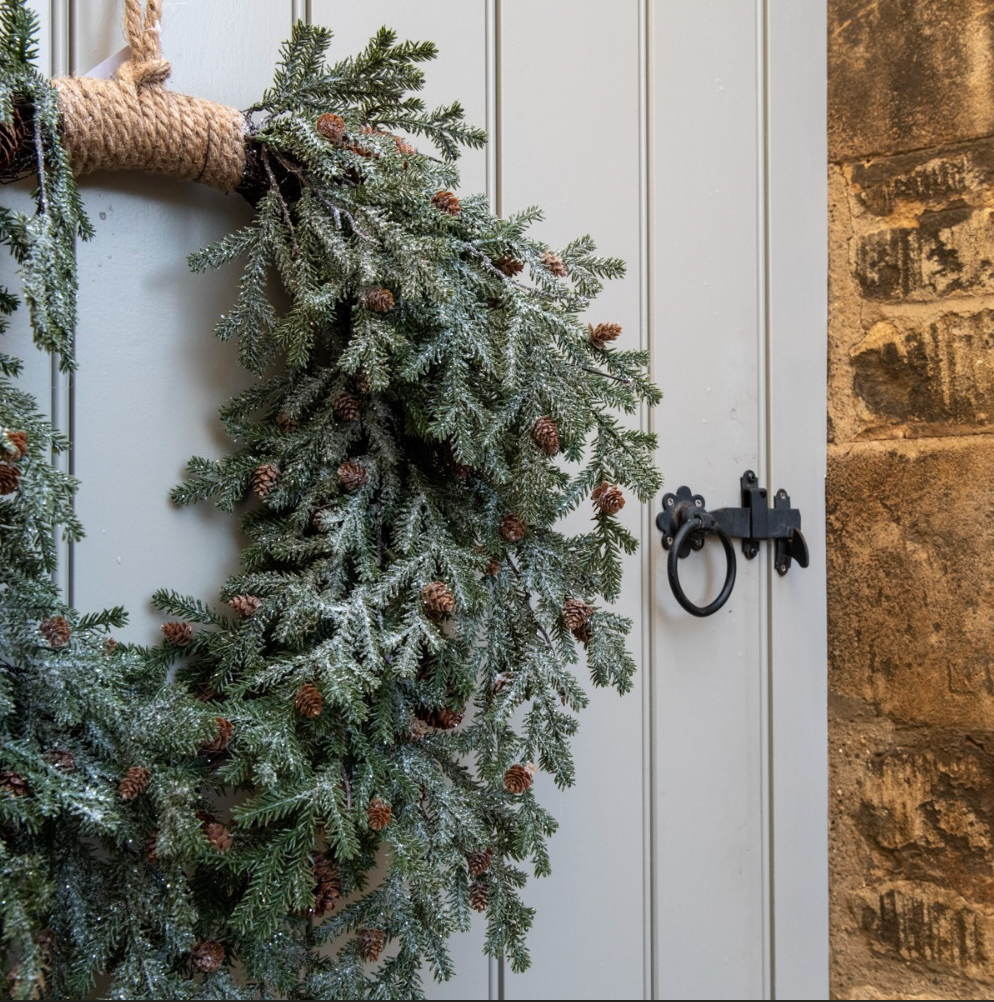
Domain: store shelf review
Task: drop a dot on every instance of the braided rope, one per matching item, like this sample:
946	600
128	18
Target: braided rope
132	122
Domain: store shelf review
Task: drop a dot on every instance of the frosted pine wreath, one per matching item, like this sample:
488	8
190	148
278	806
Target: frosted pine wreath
392	673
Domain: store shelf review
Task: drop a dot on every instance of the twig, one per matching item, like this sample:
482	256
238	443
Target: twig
348	789
531	608
494	270
336	210
40	156
624	380
274	184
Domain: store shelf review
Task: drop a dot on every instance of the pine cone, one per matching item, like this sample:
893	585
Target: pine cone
327	884
609	498
479	894
47	942
603	334
518	778
513	529
134	783
18	442
309	701
511	266
479	862
207	956
345	406
61	759
225	732
546	435
110	646
444	718
151	848
582	634
555	264
371	943
378	300
264	479
286	424
177	634
500	681
437	599
378	814
447	459
245	605
362	386
332	127
218	836
493	567
446	201
419	728
10	477
56	631
15	784
576	612
353	476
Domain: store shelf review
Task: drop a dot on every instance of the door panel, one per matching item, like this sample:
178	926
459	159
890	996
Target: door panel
570	142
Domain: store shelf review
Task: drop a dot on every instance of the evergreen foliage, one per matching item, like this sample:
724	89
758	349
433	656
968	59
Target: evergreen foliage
401	648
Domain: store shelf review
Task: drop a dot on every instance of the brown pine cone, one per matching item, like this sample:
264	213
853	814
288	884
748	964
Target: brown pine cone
362	386
327	884
47	941
479	862
19	442
500	681
445	718
218	836
518	778
378	813
309	701
546	435
345	406
493	567
603	334
371	943
555	264
353	476
511	266
513	529
134	783
446	201
419	728
61	759
437	598
378	299
177	634
332	127
225	732
110	646
264	479
479	894
582	633
10	477
404	148
286	424
151	848
609	498
56	631
576	612
15	784
446	458
245	605
207	956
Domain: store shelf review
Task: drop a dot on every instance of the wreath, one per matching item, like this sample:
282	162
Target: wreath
304	794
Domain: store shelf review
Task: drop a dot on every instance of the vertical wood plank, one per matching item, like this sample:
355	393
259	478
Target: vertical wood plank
797	155
570	142
152	375
708	675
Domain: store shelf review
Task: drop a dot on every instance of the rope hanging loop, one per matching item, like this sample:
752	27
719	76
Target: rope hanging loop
131	122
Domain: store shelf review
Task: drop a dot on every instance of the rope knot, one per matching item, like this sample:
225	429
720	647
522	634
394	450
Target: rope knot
146	67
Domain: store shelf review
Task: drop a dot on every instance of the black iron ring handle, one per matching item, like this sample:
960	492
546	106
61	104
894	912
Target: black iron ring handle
695	523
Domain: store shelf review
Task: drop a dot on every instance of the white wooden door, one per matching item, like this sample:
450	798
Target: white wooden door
688	137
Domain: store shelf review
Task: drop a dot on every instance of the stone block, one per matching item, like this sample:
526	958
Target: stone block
908	74
910	590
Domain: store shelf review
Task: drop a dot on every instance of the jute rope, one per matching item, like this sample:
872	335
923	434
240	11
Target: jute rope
131	122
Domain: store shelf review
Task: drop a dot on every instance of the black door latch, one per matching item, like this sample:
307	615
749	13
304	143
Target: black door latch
685	523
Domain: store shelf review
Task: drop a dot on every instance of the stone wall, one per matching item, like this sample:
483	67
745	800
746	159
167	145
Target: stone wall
911	497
